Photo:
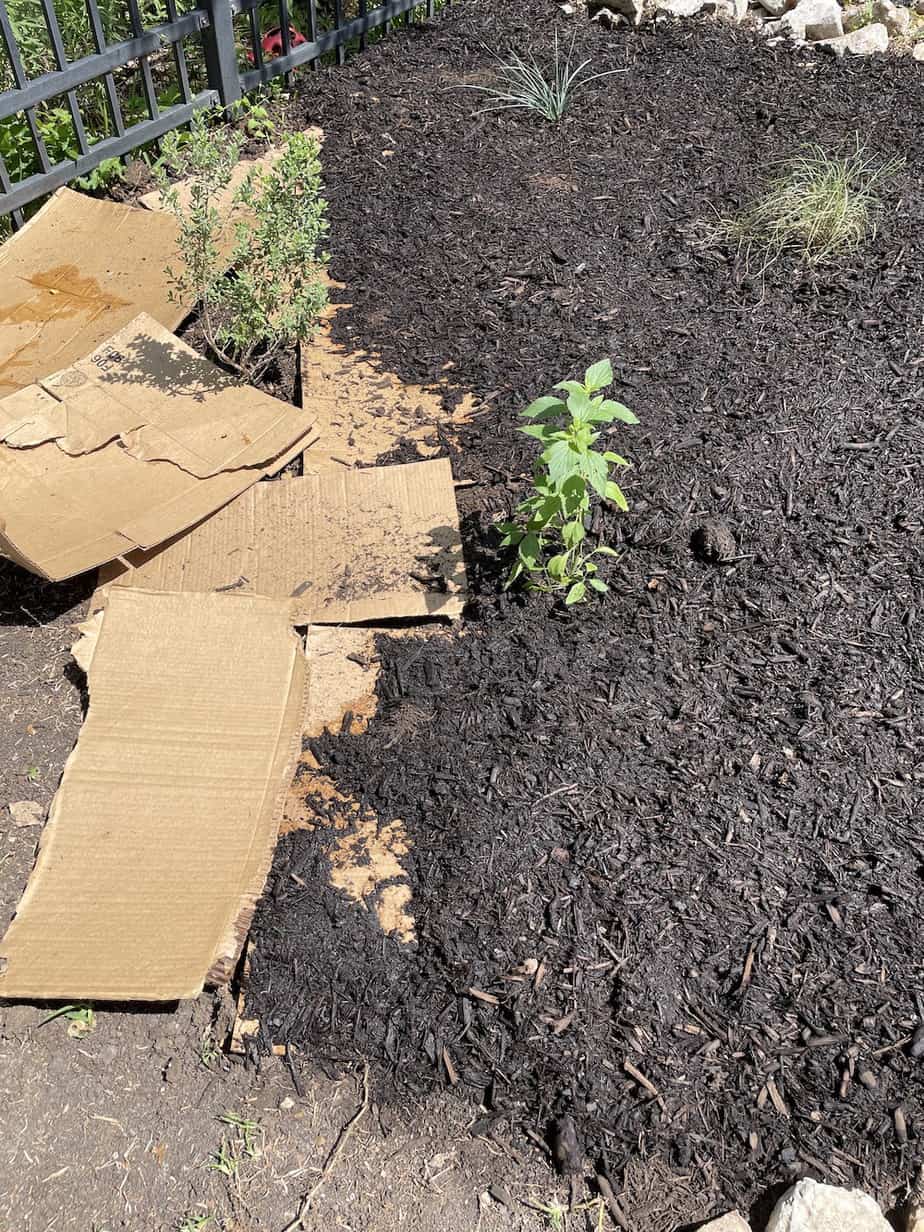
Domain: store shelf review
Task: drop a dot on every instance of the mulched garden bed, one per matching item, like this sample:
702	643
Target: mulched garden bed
669	838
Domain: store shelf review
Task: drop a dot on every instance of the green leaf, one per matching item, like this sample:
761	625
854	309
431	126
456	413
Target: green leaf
603	550
556	566
594	470
598	585
529	550
576	593
616	459
571	387
572	533
544	406
561	460
580	407
541	431
598	375
613	493
616	410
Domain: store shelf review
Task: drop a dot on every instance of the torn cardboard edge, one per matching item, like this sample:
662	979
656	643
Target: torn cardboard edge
342	547
362	412
129	446
83	267
75	274
162	831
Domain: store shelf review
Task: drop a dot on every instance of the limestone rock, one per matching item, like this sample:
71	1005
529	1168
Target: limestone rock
915	1220
609	19
814	20
776	8
730	10
918	53
680	8
27	813
732	1222
811	1207
863	42
894	17
632	10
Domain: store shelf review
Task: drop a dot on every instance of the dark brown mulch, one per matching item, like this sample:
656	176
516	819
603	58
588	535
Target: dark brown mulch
692	803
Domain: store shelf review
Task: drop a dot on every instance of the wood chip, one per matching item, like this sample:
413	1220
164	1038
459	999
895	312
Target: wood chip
451	1072
776	1099
487	997
639	1077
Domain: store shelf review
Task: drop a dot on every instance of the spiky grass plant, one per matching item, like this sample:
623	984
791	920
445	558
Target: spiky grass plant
525	85
819	205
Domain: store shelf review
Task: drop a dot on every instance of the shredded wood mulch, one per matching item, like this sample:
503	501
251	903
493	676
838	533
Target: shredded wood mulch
665	848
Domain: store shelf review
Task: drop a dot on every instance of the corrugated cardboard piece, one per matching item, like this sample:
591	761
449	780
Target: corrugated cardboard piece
363	412
162	831
343	547
76	273
129	446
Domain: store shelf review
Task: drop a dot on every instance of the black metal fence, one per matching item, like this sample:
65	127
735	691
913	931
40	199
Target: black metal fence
83	82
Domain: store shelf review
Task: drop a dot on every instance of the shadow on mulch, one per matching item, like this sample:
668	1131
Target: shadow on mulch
666	865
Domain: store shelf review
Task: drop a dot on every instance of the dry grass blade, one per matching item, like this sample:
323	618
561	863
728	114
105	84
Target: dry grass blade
819	205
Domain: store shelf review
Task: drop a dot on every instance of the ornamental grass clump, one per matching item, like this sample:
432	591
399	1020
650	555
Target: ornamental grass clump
819	205
548	531
526	86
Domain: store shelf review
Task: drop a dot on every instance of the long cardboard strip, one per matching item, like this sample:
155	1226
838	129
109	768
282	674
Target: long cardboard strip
129	446
75	274
343	547
161	834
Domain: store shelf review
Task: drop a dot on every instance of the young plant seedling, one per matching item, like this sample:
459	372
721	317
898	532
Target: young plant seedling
548	530
80	1019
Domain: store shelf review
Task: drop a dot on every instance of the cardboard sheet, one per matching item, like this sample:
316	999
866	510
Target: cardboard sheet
161	834
128	447
75	274
342	547
362	412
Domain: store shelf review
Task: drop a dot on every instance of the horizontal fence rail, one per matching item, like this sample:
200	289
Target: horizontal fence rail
83	82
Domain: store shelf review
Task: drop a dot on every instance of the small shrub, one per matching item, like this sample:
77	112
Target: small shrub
277	292
548	529
525	85
819	205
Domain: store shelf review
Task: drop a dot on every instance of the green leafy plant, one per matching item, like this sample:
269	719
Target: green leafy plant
81	1019
819	205
526	85
277	291
253	115
548	530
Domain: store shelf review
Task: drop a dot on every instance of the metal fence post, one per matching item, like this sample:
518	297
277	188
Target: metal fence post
220	50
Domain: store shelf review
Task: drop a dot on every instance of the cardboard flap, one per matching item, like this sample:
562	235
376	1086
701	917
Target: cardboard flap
342	546
74	274
152	438
160	836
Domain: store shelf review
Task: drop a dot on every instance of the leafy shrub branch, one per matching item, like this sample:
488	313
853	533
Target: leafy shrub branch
277	290
548	529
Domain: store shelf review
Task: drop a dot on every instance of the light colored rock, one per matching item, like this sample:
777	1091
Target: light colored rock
27	813
863	42
609	19
776	8
915	1220
814	20
632	10
680	8
894	17
734	1221
918	53
811	1207
729	10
